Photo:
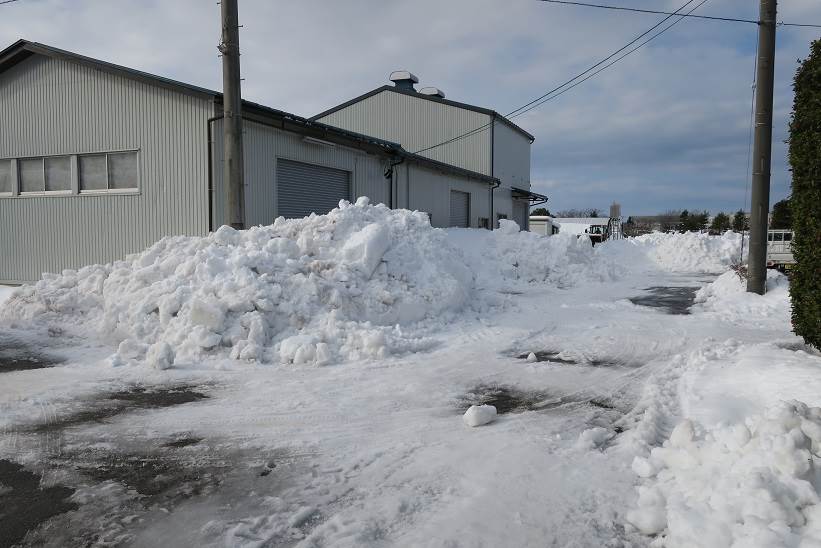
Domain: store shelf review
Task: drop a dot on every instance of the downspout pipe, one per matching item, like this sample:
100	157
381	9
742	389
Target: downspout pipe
389	175
492	220
211	172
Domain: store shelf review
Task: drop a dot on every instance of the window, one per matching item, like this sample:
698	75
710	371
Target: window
69	173
787	236
93	173
6	186
58	173
769	236
778	236
111	171
31	175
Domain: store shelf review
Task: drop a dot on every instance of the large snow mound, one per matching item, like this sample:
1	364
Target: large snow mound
355	283
677	252
727	296
752	484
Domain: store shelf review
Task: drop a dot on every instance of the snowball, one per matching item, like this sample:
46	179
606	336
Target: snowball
477	415
209	315
683	434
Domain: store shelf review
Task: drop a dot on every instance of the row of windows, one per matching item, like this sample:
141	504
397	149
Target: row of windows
112	171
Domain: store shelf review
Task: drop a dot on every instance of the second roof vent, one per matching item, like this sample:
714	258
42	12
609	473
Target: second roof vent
430	90
404	79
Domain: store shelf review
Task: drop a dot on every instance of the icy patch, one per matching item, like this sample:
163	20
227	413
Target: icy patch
749	484
478	415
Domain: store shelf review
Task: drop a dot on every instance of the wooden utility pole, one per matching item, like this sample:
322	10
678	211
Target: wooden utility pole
232	112
762	150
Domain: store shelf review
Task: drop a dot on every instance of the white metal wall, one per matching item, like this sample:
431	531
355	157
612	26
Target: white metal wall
50	107
511	156
427	189
418	123
263	144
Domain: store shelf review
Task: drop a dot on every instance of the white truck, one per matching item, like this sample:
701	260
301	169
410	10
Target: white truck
779	249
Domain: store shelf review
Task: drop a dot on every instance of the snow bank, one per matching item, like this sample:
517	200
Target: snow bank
687	252
728	297
352	284
753	484
312	290
507	257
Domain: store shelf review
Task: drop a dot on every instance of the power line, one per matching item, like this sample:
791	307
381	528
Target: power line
8	1
589	76
532	104
639	10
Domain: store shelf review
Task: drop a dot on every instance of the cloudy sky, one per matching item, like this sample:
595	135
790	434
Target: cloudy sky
666	128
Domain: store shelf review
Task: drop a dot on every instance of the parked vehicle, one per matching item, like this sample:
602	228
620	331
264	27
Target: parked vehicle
779	249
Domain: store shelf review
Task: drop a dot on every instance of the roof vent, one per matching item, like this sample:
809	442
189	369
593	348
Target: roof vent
404	79
436	92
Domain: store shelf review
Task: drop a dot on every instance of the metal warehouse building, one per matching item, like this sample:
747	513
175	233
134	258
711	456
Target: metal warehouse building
471	137
98	161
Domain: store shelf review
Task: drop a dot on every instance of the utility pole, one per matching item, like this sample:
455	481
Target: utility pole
232	113
762	150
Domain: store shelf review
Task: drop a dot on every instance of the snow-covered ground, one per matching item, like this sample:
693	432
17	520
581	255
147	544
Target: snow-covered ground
304	384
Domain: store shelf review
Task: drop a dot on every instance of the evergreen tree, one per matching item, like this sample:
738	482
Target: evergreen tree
540	212
721	223
740	221
805	203
782	215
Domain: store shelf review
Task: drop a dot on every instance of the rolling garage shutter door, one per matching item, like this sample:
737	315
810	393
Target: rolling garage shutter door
459	208
303	189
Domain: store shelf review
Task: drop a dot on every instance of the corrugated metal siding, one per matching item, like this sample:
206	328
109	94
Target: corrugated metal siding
511	157
520	213
264	145
50	107
418	123
459	208
303	188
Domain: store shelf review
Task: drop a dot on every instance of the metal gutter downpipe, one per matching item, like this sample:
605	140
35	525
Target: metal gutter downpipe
491	222
211	172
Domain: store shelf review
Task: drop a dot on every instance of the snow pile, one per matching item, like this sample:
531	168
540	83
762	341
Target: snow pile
351	284
312	290
753	484
687	252
507	257
727	296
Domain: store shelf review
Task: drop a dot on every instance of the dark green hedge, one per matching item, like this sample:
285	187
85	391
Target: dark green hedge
805	203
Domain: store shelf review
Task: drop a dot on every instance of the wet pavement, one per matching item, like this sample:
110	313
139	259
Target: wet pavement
509	399
25	504
673	300
18	356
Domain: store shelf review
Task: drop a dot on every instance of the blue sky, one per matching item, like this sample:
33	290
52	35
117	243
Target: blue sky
664	129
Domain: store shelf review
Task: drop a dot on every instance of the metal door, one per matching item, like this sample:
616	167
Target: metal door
303	188
459	208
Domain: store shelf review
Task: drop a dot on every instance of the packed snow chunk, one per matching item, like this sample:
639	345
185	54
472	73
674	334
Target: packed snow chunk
160	356
753	484
364	249
593	438
506	226
477	415
531	358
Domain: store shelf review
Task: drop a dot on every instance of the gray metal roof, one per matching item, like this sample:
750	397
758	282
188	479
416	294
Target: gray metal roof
433	98
23	49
